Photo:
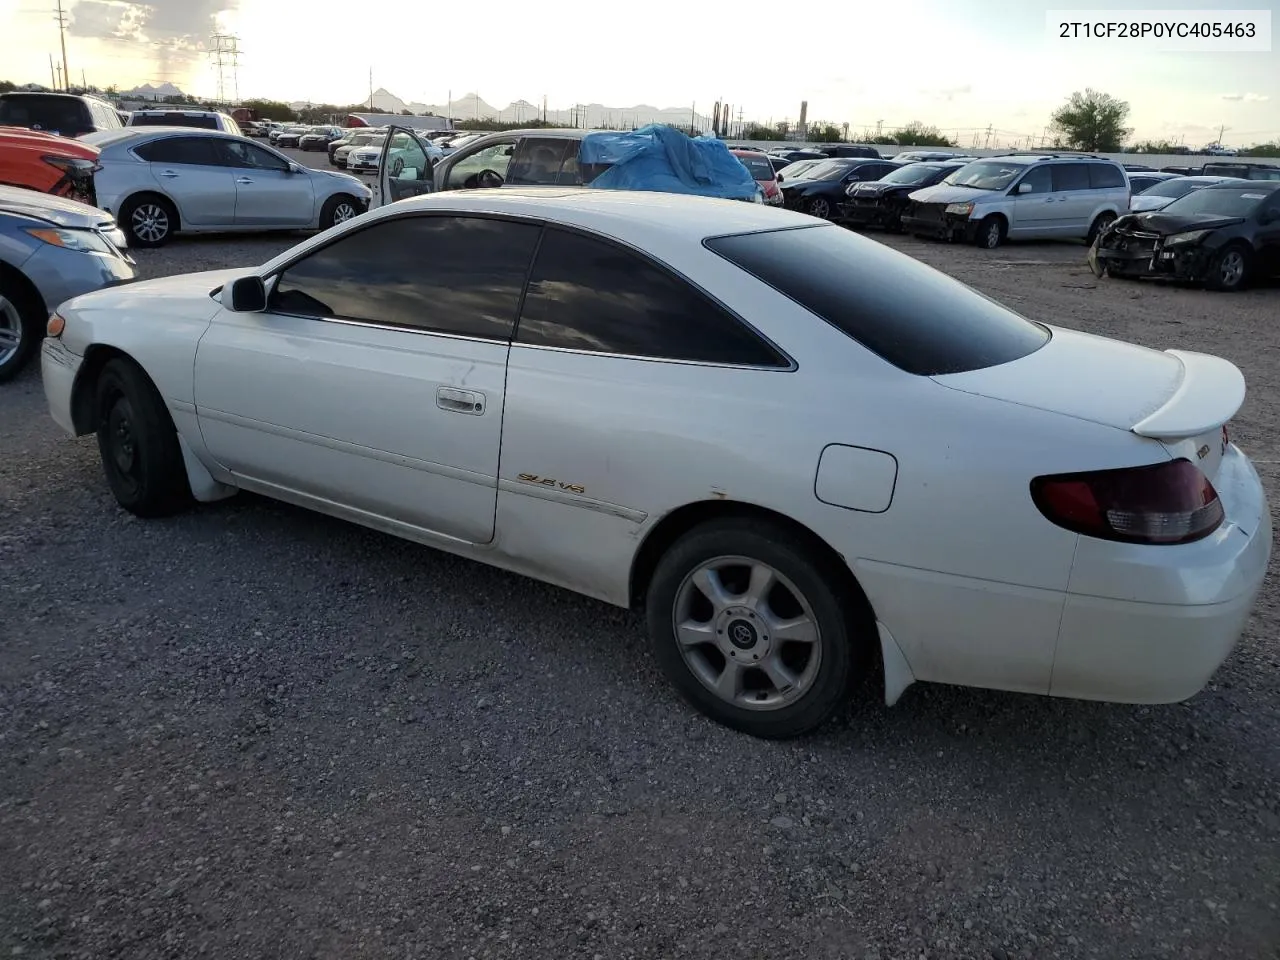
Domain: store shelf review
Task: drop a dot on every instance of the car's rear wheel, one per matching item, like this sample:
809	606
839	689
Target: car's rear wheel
1229	270
990	233
138	442
338	210
1100	223
149	220
21	320
750	629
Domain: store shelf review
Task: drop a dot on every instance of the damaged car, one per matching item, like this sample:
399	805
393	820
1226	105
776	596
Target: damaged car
1224	236
881	203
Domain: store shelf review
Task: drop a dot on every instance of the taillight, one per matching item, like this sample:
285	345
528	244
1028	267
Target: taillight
1165	503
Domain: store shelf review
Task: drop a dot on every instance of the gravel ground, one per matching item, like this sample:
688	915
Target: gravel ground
252	731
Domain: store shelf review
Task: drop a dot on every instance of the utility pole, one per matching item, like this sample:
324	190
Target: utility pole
987	142
53	77
62	35
371	89
59	86
544	108
84	82
693	117
879	125
1221	130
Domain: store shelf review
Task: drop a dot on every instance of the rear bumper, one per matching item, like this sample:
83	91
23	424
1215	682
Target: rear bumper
1136	624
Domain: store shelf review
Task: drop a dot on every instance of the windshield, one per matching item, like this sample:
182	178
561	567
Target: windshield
1218	202
915	173
828	170
985	175
1173	188
319	131
52	113
174	120
758	167
798	169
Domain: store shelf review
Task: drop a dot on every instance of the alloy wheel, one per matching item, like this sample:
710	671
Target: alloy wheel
343	212
11	331
747	633
1231	268
820	208
150	223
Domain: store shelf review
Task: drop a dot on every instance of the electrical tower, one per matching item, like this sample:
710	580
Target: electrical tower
225	50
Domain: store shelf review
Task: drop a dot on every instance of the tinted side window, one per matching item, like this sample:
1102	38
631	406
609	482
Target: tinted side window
459	275
1040	179
1070	176
240	153
544	161
187	150
586	294
911	315
1105	176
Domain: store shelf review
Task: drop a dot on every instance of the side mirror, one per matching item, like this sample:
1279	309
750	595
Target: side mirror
1025	188
248	295
781	178
294	168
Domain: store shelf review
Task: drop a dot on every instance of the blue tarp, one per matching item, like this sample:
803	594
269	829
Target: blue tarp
661	158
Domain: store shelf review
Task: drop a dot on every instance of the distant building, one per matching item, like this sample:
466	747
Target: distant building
382	119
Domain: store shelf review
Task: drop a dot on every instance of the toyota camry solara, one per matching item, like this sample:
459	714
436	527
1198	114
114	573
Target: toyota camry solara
804	455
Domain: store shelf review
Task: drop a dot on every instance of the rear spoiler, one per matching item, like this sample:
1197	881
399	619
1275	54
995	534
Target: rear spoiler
1209	393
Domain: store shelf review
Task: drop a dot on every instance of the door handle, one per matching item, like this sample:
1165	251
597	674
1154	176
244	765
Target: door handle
244	180
460	401
168	173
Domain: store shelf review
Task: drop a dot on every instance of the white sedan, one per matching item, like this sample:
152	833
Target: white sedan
804	455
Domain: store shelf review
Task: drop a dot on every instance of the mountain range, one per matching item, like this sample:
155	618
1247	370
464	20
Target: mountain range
471	105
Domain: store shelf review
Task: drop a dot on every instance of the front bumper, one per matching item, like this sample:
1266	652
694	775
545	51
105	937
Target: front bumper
866	213
1135	254
58	369
60	274
928	221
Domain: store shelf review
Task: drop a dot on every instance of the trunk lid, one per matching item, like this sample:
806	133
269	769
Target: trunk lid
1179	398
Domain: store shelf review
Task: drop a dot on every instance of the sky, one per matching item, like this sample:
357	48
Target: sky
960	65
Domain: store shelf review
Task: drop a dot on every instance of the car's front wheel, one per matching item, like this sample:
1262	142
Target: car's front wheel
138	442
990	233
338	210
1230	268
748	626
820	207
21	322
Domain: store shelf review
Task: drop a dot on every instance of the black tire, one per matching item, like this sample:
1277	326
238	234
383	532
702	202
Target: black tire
1229	270
138	442
21	315
149	220
991	232
820	204
1100	223
842	636
338	209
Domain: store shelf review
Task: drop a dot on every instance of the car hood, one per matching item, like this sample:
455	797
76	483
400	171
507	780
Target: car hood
346	178
877	189
945	193
43	206
1167	224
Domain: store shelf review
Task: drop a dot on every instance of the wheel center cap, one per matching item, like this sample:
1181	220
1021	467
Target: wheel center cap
742	634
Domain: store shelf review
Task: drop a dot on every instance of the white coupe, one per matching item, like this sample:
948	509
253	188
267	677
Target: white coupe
806	456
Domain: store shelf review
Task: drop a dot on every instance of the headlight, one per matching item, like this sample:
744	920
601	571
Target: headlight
85	241
1191	236
963	209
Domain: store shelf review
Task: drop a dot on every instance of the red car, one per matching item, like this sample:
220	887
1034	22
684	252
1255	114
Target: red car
763	173
48	163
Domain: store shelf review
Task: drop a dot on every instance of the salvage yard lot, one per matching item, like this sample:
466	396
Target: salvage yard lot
254	731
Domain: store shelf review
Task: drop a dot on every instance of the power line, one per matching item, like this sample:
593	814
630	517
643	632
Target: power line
61	19
225	48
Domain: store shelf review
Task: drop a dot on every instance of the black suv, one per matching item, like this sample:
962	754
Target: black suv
66	114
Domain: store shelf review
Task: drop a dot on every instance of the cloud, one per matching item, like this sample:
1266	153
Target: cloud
185	22
949	93
107	19
1247	97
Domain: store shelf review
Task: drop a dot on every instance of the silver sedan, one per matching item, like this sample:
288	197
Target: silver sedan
51	249
159	181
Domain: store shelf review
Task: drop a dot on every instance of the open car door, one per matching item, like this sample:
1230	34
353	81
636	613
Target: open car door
404	169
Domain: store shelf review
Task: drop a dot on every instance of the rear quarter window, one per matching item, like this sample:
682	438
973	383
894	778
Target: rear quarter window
907	313
1106	176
